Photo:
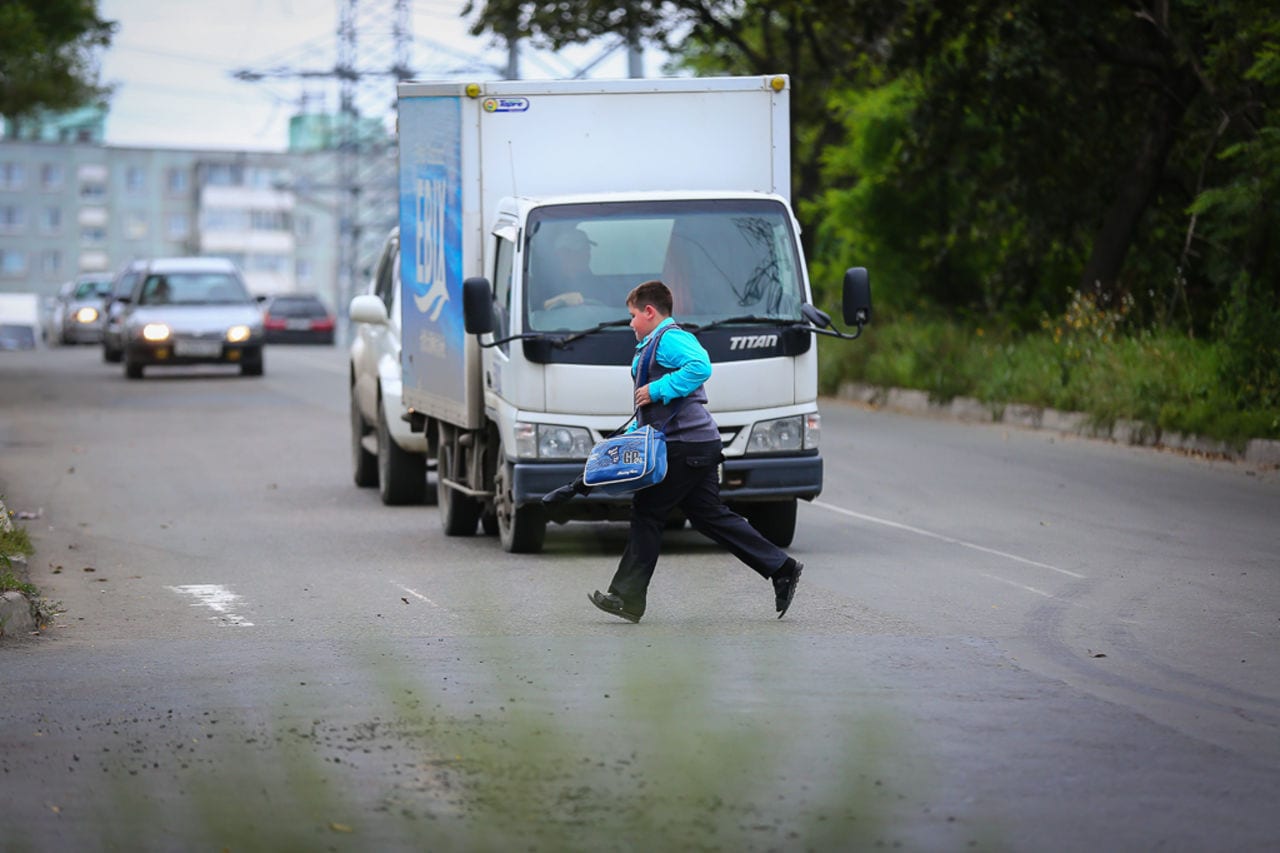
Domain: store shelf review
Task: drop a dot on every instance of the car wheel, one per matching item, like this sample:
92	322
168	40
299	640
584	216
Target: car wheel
132	369
521	529
402	476
111	356
776	520
252	368
459	512
363	463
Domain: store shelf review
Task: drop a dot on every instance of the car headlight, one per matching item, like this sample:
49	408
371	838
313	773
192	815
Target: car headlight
551	441
798	432
86	315
238	334
155	332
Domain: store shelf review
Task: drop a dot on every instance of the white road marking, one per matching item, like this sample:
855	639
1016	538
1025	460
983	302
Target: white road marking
217	598
418	595
948	539
1015	583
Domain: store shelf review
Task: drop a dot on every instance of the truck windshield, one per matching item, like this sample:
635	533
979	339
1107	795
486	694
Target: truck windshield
721	258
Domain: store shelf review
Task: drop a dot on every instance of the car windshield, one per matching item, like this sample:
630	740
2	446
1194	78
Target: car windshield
192	288
93	289
722	258
297	307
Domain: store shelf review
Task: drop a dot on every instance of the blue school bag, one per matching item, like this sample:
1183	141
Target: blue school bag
630	461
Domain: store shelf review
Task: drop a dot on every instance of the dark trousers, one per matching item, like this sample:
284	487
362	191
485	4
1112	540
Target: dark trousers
692	484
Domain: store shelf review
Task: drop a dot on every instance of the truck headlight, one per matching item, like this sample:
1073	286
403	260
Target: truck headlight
155	332
798	432
86	315
551	441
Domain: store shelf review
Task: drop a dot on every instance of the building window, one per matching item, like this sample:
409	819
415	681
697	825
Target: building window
93	235
51	262
176	181
135	225
302	272
11	176
11	219
177	226
93	191
223	175
269	220
51	177
223	219
51	220
135	180
274	264
12	262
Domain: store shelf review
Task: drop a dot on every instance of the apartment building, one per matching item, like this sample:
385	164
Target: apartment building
72	207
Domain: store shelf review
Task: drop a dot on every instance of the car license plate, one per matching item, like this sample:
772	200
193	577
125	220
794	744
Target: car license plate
297	324
198	349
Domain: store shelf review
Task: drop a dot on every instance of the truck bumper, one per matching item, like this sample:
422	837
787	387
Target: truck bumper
741	478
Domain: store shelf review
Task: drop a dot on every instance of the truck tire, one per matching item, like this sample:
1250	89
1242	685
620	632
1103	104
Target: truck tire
364	465
402	476
459	512
776	520
521	529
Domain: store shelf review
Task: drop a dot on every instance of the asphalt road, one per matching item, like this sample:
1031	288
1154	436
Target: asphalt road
1004	640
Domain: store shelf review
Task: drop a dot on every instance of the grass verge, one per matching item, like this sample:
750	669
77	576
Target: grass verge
1085	364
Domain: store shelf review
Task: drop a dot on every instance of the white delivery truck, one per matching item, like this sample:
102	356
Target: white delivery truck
528	210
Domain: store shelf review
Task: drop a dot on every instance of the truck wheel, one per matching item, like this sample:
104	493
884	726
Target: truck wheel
776	520
521	529
458	512
402	476
364	464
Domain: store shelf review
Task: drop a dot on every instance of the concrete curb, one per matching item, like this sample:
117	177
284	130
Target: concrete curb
15	615
15	610
1258	451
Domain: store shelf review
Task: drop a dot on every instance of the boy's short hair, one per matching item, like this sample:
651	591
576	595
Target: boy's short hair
653	293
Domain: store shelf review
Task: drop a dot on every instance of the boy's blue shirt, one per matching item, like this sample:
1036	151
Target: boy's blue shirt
680	352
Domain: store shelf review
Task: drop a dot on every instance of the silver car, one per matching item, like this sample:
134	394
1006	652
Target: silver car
191	311
113	309
80	314
385	451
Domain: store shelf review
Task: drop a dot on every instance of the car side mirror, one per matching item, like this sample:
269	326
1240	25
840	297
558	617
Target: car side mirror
857	296
477	306
367	308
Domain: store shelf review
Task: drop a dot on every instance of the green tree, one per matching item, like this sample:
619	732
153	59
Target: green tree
996	156
47	54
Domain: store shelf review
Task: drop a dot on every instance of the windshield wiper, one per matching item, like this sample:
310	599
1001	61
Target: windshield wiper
599	327
752	319
550	339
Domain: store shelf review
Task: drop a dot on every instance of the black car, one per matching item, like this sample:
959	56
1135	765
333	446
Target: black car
297	318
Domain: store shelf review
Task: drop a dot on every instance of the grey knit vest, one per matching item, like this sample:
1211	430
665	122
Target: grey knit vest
692	422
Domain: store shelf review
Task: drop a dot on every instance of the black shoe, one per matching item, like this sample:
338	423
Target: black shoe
784	586
610	603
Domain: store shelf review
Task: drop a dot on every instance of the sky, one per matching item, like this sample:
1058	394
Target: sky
171	63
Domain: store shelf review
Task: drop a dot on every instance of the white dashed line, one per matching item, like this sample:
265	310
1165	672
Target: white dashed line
217	598
417	595
948	539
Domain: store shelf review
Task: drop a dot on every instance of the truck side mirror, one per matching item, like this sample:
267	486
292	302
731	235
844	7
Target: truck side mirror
857	297
477	306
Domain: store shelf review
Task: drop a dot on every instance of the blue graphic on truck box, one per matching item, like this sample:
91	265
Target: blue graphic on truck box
431	243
